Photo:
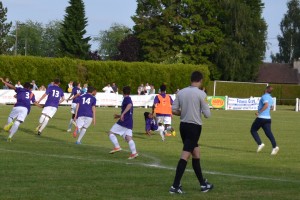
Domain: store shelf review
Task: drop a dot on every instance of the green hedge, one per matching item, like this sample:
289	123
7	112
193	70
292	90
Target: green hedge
286	94
98	73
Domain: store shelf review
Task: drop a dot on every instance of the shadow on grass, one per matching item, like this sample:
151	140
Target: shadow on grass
225	148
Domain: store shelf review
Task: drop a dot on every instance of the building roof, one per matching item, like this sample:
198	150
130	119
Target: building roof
277	73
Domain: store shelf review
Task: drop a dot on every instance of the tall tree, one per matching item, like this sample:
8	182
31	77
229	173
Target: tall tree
289	41
166	28
110	39
243	49
72	40
50	42
4	30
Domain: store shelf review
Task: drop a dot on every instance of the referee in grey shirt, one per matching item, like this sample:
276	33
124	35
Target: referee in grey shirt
189	105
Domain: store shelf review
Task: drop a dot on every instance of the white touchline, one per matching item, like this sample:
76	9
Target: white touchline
153	165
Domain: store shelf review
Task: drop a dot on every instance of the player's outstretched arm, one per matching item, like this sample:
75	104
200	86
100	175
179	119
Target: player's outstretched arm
61	99
42	97
8	84
38	105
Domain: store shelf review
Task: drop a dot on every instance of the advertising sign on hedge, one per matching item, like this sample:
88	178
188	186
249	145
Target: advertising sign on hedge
218	102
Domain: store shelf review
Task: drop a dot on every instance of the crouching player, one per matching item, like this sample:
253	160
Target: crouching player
151	125
124	125
85	112
55	97
21	109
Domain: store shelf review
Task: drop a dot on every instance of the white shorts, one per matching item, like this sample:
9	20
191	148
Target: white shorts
120	130
49	111
73	108
19	113
164	119
84	122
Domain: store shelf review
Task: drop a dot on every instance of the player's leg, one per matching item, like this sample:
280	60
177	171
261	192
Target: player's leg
22	114
267	129
116	129
161	130
168	126
11	118
256	125
14	129
72	120
131	144
82	124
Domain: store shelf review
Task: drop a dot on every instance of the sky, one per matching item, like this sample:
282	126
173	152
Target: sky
102	14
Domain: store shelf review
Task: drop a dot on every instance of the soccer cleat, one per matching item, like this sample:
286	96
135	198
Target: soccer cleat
133	156
206	187
75	132
168	134
77	142
9	139
260	147
115	150
177	190
39	133
8	126
173	133
69	130
275	151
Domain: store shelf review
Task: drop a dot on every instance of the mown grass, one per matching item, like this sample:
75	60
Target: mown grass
53	167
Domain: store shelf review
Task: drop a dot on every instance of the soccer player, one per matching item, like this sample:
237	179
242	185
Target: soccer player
124	125
76	91
151	125
189	104
55	97
21	109
85	112
162	107
263	121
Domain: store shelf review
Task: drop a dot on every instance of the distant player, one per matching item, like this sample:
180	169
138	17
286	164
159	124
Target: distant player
85	112
76	91
263	121
162	107
55	97
124	125
151	125
21	109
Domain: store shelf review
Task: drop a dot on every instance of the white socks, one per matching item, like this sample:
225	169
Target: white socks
43	122
14	128
82	132
132	147
114	140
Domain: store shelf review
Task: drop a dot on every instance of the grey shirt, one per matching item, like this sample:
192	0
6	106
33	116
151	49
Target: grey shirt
191	102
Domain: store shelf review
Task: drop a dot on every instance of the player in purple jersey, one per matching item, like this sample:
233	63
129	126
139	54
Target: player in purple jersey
85	112
21	109
76	91
151	125
55	97
124	125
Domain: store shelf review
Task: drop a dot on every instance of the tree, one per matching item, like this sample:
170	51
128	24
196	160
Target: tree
243	47
50	39
72	40
129	49
4	30
289	42
110	39
165	28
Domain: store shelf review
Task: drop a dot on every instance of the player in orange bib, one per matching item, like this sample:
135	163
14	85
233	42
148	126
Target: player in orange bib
162	107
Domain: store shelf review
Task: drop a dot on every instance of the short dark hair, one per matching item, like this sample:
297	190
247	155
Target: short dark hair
90	89
163	88
126	90
27	85
75	84
196	76
56	81
146	114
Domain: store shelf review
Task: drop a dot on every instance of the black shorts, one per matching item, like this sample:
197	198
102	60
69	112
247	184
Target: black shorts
190	134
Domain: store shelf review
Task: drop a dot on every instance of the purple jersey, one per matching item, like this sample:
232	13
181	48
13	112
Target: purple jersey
86	103
156	100
24	97
54	93
75	90
151	125
128	122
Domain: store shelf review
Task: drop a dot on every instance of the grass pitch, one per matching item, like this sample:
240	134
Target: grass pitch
53	167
